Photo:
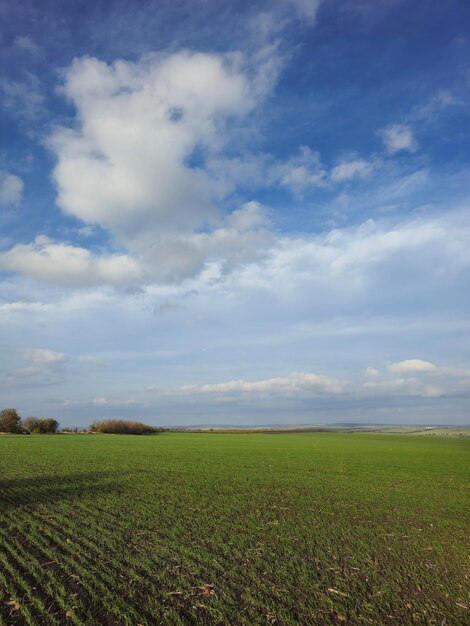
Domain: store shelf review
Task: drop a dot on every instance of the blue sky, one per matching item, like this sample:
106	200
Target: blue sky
239	213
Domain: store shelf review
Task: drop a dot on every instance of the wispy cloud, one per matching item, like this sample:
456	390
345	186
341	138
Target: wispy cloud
292	385
23	95
41	356
348	170
26	43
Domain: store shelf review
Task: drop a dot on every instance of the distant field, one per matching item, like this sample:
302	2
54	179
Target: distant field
431	432
311	528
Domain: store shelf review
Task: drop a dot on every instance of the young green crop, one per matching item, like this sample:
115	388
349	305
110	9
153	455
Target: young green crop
311	528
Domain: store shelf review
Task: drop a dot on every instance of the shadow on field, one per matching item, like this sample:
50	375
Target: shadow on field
16	492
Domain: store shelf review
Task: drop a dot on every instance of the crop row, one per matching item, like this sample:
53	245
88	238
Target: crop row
279	534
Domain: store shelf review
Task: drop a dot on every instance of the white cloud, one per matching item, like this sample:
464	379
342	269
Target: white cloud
72	302
250	217
343	267
296	383
413	380
301	172
398	138
40	356
348	170
143	164
65	264
306	385
243	237
11	189
412	366
128	165
351	260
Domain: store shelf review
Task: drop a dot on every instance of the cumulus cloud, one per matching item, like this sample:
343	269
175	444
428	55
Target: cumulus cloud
412	366
135	164
142	162
343	267
301	386
300	172
243	237
398	138
418	366
11	189
296	383
65	264
348	170
414	379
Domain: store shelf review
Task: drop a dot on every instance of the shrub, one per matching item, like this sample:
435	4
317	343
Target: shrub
40	425
122	427
10	421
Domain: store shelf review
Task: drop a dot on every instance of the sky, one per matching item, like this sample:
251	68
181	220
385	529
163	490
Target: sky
237	213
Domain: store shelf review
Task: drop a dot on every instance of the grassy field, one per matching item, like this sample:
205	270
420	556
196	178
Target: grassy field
311	528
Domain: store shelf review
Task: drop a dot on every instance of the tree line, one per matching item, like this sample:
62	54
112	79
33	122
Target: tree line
11	422
123	427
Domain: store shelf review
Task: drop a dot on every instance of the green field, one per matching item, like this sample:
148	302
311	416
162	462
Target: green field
311	528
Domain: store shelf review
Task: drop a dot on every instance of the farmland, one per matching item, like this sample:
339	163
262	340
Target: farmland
207	528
